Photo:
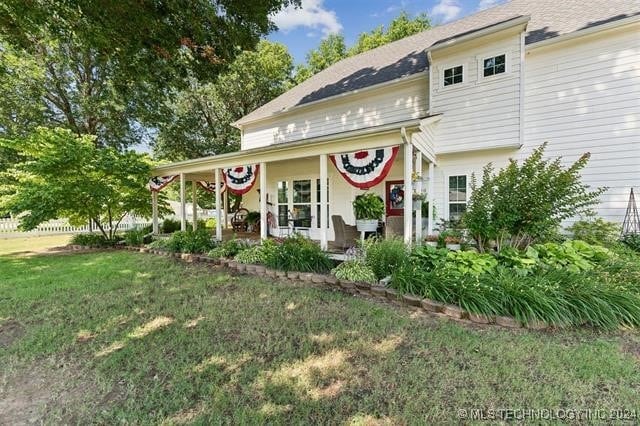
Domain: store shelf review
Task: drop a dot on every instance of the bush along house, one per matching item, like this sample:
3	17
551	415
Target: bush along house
411	121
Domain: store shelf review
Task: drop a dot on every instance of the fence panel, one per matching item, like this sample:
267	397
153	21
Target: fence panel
9	228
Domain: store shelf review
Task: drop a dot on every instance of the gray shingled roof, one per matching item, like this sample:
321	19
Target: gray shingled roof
549	18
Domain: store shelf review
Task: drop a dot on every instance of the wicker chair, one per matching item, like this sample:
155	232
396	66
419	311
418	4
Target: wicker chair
239	220
346	235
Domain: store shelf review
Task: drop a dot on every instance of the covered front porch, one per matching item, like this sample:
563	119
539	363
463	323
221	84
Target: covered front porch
299	188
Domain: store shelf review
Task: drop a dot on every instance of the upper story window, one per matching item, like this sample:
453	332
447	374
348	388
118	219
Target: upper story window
453	75
495	65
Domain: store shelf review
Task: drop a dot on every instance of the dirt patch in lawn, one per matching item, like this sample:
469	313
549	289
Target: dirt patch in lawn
10	331
51	391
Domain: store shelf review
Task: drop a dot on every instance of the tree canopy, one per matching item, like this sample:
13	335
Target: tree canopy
333	48
65	175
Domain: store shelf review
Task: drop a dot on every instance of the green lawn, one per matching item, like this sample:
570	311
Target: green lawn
127	337
32	243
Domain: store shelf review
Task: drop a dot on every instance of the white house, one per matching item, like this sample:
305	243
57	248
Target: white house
485	88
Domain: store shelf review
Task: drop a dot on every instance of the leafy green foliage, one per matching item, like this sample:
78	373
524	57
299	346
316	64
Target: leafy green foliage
199	241
258	254
200	116
333	48
169	226
597	231
93	240
297	253
470	262
525	203
355	270
368	206
137	237
65	175
632	241
229	248
384	255
573	255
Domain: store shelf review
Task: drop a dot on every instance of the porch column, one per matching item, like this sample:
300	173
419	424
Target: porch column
183	207
154	212
408	192
194	209
264	223
419	191
225	209
216	173
432	198
323	202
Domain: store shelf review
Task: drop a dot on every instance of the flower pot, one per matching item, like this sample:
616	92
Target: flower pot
367	225
454	247
432	243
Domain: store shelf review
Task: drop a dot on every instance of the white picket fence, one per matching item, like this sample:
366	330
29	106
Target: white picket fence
9	227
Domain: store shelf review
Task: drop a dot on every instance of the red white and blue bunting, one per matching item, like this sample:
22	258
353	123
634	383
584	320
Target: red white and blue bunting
211	186
240	179
365	169
156	183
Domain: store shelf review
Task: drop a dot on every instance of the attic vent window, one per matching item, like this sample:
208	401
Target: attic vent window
453	75
495	65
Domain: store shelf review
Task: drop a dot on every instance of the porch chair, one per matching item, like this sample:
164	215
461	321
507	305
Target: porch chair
239	220
346	235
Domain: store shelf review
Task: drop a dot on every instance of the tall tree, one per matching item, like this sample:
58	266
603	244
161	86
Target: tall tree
201	116
333	49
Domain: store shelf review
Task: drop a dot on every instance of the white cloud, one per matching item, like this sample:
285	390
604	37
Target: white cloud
447	10
312	14
485	4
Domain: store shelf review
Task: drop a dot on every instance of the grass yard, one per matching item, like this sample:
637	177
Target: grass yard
32	243
125	337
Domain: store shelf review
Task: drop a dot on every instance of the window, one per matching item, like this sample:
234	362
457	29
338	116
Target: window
302	203
457	196
318	203
453	75
495	65
283	204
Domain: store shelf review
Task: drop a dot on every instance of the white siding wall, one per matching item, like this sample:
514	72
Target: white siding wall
394	103
481	112
584	96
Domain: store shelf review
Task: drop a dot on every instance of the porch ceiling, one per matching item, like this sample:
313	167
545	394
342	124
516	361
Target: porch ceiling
377	137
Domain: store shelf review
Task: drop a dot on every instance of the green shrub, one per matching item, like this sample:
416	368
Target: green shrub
573	255
198	241
470	262
210	223
525	203
632	241
93	240
259	254
229	248
368	206
522	262
596	231
383	256
297	253
159	244
169	226
428	257
355	270
137	237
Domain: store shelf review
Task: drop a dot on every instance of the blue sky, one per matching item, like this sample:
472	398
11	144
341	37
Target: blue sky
302	29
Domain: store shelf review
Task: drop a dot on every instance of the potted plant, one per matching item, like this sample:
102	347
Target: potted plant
369	209
452	242
432	240
418	199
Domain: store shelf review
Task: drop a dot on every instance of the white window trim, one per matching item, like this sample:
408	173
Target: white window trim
314	201
448	201
465	76
480	61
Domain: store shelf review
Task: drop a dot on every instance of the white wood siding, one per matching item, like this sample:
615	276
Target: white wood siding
393	103
584	96
479	113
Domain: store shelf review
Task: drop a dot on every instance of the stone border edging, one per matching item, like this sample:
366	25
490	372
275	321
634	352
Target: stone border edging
350	287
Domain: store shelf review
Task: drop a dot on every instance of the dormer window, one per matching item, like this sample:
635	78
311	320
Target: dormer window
495	65
453	75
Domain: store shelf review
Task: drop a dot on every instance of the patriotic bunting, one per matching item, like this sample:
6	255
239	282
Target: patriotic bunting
211	186
240	179
156	183
365	169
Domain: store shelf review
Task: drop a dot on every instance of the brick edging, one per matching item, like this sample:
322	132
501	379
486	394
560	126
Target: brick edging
350	287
